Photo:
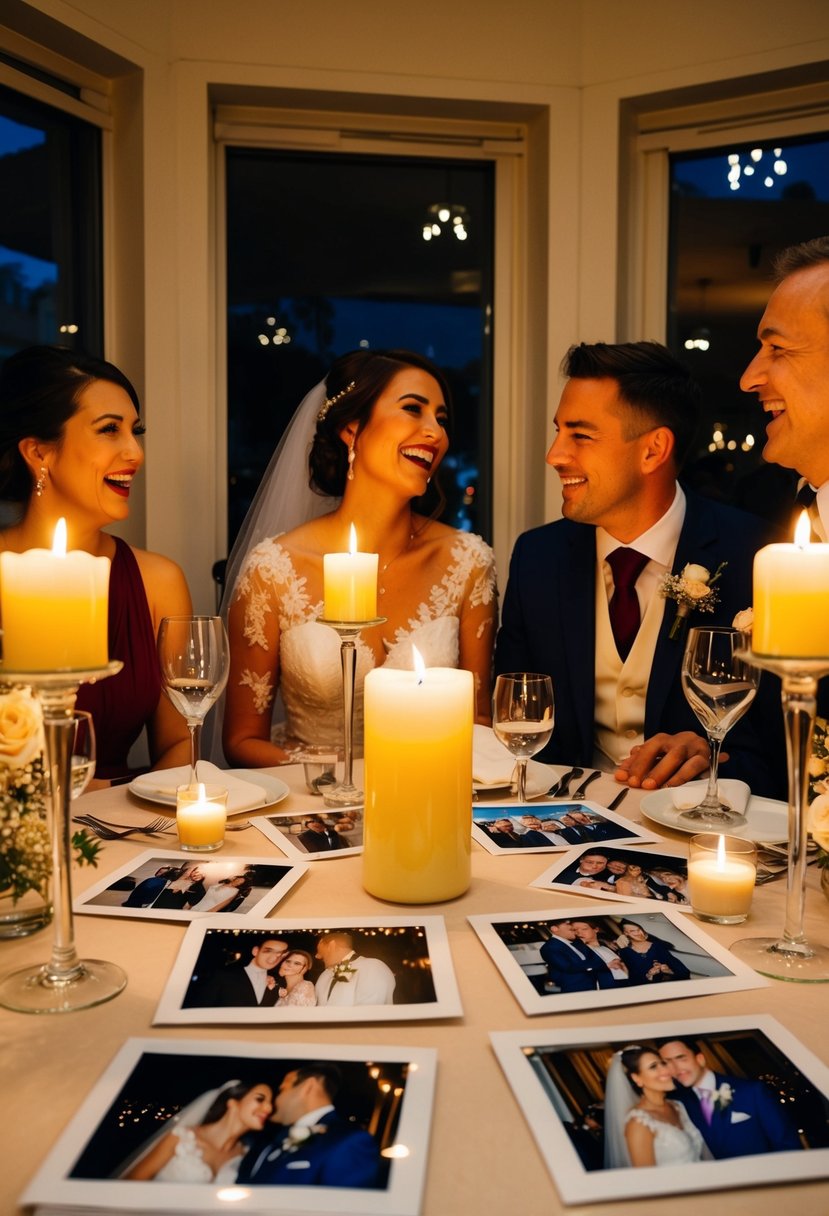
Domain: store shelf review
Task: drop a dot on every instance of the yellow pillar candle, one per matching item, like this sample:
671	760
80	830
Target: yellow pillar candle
54	608
201	817
721	877
418	784
350	584
791	594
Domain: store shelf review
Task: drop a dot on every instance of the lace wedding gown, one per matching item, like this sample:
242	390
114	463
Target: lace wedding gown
273	591
188	1165
672	1145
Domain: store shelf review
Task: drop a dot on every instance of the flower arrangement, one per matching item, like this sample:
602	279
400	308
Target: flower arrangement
25	852
723	1096
343	972
692	589
298	1135
818	821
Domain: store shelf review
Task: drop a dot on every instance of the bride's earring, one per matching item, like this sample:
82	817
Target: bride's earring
40	484
352	455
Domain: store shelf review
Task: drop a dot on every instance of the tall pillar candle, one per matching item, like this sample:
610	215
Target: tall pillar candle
54	608
418	784
791	593
350	584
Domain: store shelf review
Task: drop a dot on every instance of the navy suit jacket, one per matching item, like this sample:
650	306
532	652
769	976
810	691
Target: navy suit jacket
576	972
548	624
766	1129
342	1155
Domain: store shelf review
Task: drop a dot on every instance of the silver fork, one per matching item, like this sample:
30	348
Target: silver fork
564	780
105	831
582	790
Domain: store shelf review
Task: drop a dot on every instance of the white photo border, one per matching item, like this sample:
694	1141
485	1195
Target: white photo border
268	825
447	1002
512	810
547	880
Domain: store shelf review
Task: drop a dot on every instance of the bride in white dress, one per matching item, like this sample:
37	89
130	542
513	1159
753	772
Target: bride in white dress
642	1124
204	1142
377	433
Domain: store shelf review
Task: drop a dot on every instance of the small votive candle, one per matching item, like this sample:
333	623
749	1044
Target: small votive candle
201	817
721	875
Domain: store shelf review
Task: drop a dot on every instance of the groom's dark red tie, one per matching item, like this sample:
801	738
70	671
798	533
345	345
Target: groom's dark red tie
627	565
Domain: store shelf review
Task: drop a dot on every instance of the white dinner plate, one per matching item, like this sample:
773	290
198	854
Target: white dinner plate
765	819
275	790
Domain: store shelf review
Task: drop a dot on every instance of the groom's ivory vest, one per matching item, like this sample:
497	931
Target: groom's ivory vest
621	688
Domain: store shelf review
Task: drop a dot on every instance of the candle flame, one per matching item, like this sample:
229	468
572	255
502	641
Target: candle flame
202	794
352	544
803	530
720	852
419	665
59	539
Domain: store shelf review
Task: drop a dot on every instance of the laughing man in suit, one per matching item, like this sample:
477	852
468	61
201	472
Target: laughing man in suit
736	1117
313	1145
624	425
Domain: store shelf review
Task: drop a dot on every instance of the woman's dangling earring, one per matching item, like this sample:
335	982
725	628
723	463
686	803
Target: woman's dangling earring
351	458
40	484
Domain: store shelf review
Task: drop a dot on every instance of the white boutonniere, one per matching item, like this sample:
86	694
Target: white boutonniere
343	972
298	1135
692	589
723	1096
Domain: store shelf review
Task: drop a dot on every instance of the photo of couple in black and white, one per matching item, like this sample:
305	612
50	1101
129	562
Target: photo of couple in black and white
174	886
621	873
300	972
554	827
730	1099
624	955
187	1118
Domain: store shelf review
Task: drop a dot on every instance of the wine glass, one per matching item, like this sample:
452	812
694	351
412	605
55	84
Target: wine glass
719	687
83	753
522	717
195	660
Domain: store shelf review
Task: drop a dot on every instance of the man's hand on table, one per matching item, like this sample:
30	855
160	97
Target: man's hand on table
665	760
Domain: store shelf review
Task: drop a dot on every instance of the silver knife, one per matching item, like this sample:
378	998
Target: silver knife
582	789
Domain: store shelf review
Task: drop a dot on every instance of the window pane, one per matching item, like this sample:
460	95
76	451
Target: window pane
732	211
327	253
50	227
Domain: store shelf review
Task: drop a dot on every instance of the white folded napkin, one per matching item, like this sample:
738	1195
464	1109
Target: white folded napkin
493	767
735	794
242	795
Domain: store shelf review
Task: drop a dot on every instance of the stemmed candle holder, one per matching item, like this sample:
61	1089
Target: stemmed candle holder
791	957
66	982
345	793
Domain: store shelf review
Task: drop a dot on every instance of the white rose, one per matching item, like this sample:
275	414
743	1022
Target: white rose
21	728
744	620
819	821
696	574
817	766
693	587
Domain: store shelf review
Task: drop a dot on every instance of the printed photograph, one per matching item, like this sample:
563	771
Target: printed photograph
295	971
173	1125
315	835
620	873
174	886
541	827
670	1107
624	955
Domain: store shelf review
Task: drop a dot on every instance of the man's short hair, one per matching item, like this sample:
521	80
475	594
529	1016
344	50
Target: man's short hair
340	936
691	1044
800	257
658	388
328	1075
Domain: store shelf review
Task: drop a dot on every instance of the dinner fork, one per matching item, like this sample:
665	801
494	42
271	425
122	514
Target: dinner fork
564	780
582	790
105	831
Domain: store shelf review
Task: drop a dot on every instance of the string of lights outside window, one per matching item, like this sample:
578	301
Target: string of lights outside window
273	335
719	443
741	165
446	217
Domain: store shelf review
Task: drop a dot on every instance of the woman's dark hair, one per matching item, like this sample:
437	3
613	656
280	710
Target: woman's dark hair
625	921
219	1104
39	391
309	962
631	1060
353	384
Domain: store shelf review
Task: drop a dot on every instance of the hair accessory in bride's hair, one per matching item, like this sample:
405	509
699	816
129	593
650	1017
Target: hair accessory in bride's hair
329	401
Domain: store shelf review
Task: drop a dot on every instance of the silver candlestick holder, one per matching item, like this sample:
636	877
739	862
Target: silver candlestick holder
791	956
65	982
345	793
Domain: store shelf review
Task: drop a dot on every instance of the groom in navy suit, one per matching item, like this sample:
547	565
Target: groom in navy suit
571	965
624	425
313	1145
735	1116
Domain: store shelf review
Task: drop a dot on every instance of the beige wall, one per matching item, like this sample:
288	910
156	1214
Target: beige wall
565	65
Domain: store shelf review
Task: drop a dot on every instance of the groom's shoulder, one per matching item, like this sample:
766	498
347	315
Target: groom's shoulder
552	537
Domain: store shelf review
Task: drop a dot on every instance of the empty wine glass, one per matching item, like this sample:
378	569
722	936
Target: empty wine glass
522	718
83	753
195	660
719	687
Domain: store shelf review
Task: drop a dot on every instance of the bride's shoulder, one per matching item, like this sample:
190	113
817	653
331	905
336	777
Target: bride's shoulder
453	543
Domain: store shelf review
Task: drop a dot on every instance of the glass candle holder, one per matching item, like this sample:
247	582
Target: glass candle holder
201	817
721	875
